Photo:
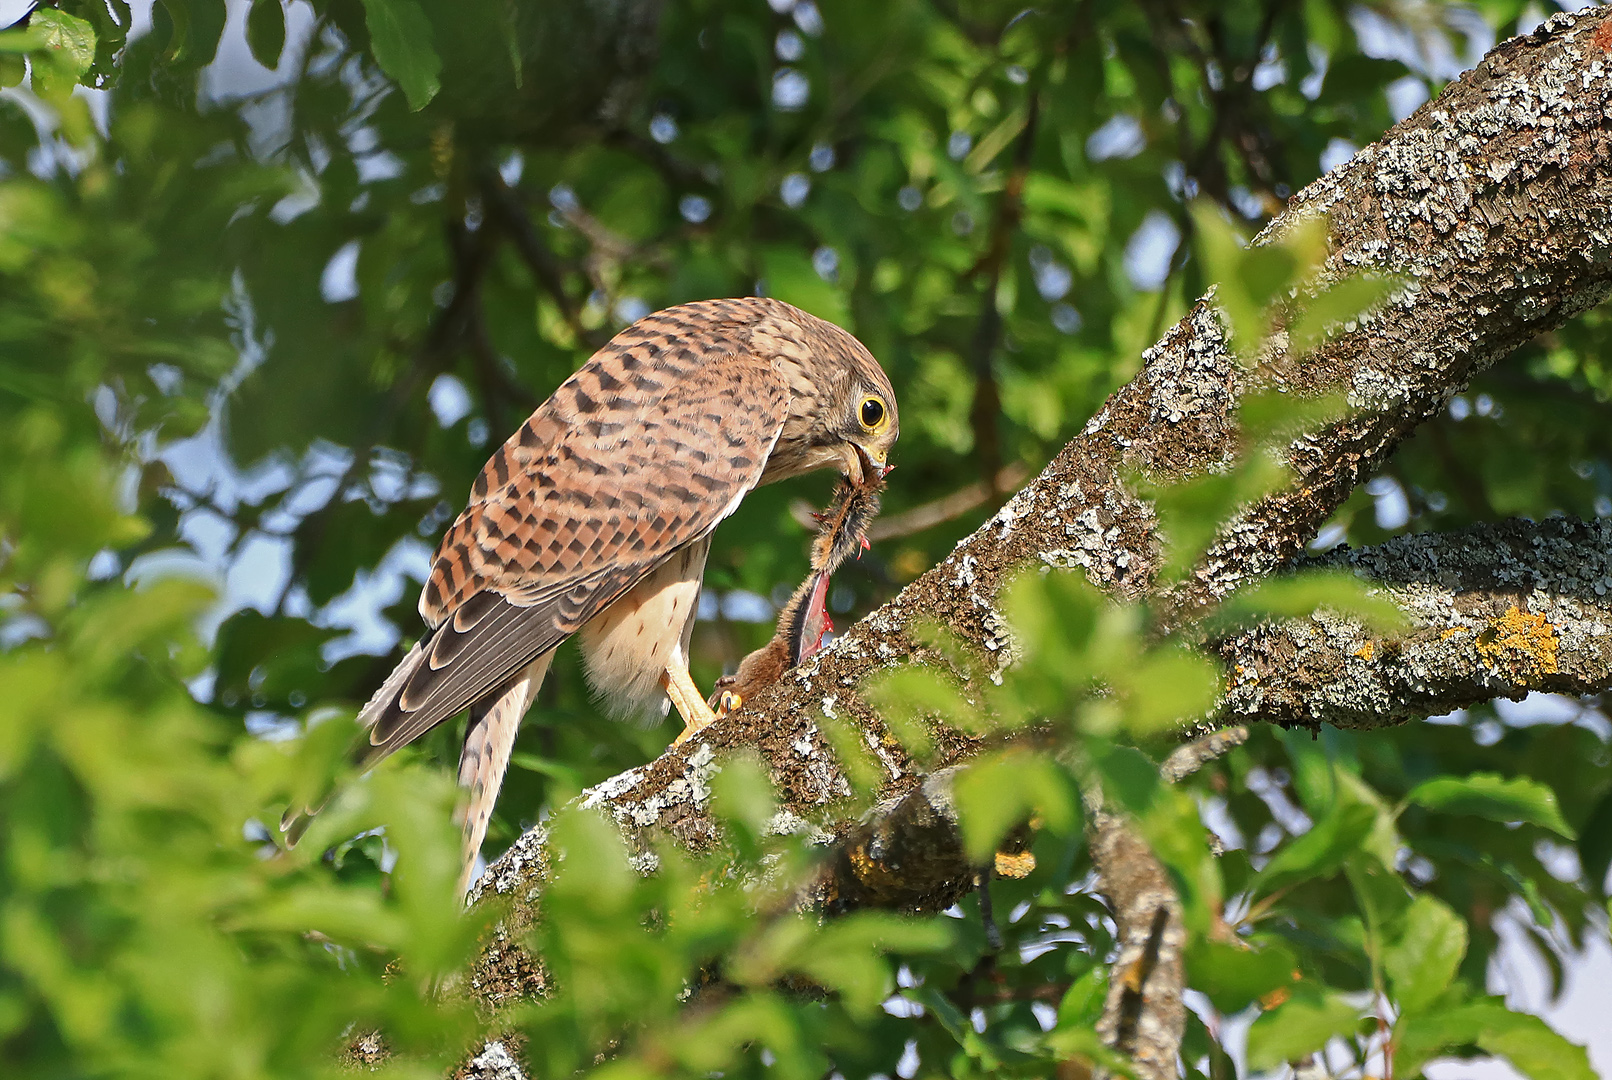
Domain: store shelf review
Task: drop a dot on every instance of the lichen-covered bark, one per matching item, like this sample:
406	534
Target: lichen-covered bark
1490	611
1144	1016
1492	202
1495	611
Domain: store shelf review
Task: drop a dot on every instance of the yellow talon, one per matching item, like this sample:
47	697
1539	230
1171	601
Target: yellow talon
727	702
696	714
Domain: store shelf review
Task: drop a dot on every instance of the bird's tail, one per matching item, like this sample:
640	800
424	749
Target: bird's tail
489	741
296	820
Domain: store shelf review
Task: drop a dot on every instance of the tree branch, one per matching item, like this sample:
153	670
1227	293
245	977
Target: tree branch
1495	611
1491	200
1144	1016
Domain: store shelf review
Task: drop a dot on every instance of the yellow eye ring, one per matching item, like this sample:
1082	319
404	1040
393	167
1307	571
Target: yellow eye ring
872	413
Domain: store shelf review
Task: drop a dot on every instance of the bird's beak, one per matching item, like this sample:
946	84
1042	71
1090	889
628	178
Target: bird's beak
863	463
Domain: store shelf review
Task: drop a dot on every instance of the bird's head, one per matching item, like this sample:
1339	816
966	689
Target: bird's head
843	411
869	427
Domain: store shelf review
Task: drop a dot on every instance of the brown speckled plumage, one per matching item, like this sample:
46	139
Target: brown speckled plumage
599	509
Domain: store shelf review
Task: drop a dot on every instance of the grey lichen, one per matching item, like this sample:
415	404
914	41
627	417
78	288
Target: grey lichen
1493	611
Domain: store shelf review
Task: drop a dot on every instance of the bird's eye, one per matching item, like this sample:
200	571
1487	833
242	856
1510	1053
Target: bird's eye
872	412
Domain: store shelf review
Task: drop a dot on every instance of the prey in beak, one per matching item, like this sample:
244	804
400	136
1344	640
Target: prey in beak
805	620
862	468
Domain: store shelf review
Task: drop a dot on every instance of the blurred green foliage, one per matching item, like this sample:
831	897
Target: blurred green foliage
275	277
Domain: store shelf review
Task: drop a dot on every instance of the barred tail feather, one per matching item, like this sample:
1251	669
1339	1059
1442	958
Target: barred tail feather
489	741
384	700
295	821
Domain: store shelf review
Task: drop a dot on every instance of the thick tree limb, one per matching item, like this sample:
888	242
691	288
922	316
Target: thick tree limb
1493	202
1491	611
1496	611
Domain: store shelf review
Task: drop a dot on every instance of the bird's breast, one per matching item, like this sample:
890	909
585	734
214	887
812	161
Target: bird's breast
628	645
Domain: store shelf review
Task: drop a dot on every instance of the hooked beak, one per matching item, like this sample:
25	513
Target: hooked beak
862	464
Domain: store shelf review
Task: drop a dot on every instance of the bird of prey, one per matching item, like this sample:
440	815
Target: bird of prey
595	518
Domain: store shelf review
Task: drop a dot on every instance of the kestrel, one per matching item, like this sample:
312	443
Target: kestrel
595	519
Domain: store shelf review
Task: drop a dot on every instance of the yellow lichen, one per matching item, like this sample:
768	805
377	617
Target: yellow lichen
1366	651
1014	866
864	866
1452	631
1527	642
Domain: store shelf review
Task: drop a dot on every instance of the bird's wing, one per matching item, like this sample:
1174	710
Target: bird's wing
644	449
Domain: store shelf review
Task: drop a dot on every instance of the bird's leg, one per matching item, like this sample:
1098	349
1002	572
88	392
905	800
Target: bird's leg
690	703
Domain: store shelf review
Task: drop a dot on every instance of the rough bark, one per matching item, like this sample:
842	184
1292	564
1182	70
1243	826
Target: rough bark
1496	611
1494	202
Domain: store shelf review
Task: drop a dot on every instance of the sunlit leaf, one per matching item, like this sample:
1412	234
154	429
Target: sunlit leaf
1234	975
1495	797
1298	1027
401	36
1344	302
1302	595
1526	1041
1319	852
997	792
1422	963
66	36
742	794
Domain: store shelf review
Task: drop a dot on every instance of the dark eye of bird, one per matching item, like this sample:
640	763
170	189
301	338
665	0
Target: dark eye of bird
872	412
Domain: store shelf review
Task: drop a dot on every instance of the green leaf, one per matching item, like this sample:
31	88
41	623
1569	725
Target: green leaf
1319	852
1535	1048
1492	796
400	35
1422	963
67	36
192	33
265	32
1130	778
1334	308
1191	512
1526	1041
1595	842
742	793
1173	828
861	768
909	694
1276	417
20	41
1298	1027
957	1025
1301	595
849	955
1166	688
1235	975
1054	616
997	792
1082	1004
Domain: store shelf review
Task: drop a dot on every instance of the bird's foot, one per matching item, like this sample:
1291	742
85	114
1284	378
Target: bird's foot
726	702
691	706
